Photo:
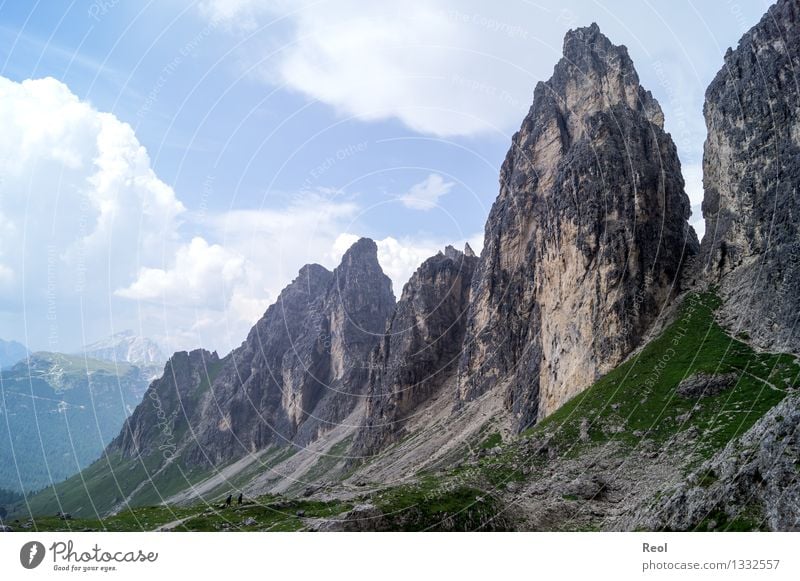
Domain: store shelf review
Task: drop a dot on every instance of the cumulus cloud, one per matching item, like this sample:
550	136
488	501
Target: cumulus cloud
215	291
92	241
80	209
199	269
440	66
425	195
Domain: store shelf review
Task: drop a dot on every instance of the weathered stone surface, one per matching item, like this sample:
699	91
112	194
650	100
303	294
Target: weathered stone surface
585	242
756	477
751	170
421	346
169	406
705	385
299	372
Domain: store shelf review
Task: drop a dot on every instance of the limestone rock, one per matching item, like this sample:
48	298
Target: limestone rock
421	346
751	168
705	385
299	372
755	477
586	240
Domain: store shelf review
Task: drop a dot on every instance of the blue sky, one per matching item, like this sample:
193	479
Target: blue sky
273	133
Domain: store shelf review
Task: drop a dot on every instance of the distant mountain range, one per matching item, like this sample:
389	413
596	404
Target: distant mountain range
127	347
11	352
60	411
595	368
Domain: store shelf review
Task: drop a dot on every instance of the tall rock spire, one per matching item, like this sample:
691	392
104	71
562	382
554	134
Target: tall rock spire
419	352
751	176
585	242
299	372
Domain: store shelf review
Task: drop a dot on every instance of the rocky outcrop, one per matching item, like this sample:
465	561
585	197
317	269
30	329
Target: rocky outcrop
420	348
751	169
705	385
753	483
170	406
586	240
350	320
299	372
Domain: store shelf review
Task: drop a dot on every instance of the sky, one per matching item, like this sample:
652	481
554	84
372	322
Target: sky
168	166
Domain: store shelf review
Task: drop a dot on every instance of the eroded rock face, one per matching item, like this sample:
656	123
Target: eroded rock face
751	168
299	372
170	405
421	346
754	480
586	240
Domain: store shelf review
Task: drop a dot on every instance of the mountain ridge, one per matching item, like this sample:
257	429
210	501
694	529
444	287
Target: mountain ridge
606	378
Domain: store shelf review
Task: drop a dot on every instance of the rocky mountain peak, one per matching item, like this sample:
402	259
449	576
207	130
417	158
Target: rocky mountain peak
170	404
313	273
452	253
363	253
299	373
420	349
595	75
126	346
751	171
586	239
468	250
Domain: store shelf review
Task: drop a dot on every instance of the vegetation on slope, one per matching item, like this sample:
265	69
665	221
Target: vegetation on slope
60	412
635	403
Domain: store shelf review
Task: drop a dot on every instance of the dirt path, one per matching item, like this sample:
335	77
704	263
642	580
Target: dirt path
174	524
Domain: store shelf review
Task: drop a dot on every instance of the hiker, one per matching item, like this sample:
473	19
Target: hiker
239	501
228	500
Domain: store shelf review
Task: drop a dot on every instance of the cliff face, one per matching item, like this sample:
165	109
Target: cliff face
751	169
754	473
420	349
299	372
585	242
170	405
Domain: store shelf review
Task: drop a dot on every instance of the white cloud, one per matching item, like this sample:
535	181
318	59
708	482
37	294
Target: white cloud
425	195
6	275
80	210
210	294
200	270
439	66
91	239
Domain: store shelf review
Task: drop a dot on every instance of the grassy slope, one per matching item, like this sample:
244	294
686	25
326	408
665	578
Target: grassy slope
80	365
635	401
111	478
638	399
267	513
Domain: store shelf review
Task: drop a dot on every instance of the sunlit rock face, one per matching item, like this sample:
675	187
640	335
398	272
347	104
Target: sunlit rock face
586	240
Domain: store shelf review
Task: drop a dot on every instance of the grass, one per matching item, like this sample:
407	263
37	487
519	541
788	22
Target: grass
436	504
492	440
271	513
638	399
105	483
77	364
747	520
634	402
